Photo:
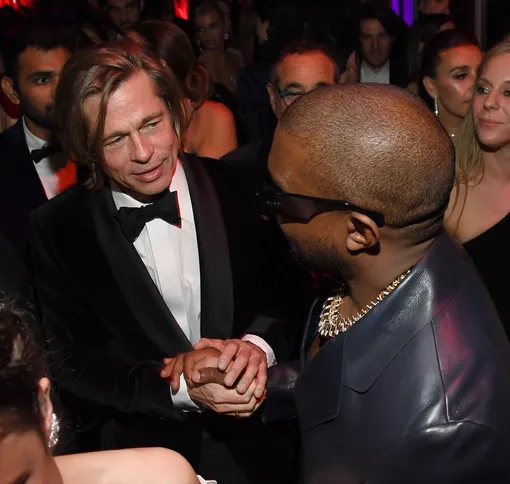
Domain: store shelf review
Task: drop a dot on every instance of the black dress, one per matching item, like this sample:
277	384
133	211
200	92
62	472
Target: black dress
490	252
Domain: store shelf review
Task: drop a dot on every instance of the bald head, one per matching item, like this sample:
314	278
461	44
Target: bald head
375	146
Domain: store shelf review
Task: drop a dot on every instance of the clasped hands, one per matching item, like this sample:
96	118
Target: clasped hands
226	376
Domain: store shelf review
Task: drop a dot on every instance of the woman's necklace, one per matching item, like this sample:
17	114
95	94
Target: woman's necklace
331	322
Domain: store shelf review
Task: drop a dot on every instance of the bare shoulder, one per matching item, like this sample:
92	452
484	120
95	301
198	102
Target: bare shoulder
214	112
168	466
130	466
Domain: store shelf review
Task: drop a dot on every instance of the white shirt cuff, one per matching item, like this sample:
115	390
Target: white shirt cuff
257	340
181	398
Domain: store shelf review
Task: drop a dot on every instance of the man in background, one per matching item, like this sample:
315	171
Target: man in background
381	61
32	167
301	67
123	14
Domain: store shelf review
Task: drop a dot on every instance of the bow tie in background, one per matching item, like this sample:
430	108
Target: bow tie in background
45	152
133	220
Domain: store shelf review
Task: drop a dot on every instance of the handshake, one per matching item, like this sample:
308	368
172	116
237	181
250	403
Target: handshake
226	376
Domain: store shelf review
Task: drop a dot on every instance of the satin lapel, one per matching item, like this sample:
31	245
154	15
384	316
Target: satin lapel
135	283
217	296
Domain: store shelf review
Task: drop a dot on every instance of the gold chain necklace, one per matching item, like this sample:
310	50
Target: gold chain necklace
331	322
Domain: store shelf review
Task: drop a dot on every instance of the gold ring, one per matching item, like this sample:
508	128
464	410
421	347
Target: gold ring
236	415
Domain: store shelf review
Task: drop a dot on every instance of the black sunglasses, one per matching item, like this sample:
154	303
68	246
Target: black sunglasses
302	208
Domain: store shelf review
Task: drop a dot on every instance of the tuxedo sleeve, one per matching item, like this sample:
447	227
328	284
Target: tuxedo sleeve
82	346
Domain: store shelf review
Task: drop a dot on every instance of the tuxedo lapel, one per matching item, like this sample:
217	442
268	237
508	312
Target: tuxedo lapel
217	300
131	276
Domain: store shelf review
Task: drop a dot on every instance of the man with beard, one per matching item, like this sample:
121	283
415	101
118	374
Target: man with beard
32	167
405	369
123	14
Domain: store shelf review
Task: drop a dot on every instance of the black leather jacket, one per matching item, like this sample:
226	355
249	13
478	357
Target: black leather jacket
418	391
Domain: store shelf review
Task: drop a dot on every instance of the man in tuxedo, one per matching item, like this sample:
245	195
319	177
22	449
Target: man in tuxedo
158	251
382	52
32	168
405	369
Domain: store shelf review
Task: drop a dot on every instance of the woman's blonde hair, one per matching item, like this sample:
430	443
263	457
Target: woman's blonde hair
468	152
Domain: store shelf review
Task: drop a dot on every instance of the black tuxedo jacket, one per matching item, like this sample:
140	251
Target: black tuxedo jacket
105	318
418	391
21	190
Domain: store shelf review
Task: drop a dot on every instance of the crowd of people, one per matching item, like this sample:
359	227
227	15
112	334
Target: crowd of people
262	244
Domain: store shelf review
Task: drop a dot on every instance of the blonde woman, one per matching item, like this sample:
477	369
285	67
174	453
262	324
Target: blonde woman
478	215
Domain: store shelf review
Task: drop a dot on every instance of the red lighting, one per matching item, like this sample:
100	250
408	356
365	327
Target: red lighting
16	4
181	8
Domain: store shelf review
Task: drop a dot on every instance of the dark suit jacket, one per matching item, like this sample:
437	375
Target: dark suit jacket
21	190
418	391
106	319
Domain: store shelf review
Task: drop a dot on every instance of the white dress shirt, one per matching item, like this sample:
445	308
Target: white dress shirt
47	169
171	257
381	76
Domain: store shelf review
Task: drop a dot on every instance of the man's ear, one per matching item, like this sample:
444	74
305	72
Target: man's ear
272	100
8	87
430	86
45	405
363	233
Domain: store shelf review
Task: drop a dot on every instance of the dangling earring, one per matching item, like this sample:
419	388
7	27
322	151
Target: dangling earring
226	36
54	432
436	106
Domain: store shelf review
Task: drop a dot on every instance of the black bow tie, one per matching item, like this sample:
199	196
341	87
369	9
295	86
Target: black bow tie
44	152
133	220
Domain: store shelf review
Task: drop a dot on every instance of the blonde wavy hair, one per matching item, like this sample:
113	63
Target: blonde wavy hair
469	168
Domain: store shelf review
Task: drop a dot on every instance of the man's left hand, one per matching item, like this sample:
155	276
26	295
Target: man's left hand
238	356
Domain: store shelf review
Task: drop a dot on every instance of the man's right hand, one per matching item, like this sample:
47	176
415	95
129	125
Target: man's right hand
205	383
224	400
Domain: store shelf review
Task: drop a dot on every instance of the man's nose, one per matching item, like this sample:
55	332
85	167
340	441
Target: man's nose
142	149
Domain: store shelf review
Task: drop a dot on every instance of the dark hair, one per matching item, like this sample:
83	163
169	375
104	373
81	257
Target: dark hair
372	10
172	45
303	47
104	3
431	54
100	71
22	365
423	29
280	15
41	37
209	6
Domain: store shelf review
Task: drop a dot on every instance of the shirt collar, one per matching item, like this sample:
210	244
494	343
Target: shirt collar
33	142
178	184
369	71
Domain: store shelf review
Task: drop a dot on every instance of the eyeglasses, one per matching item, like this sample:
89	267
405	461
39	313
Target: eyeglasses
288	97
295	208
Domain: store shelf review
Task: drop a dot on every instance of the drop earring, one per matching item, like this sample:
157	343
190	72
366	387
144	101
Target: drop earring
436	106
54	432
